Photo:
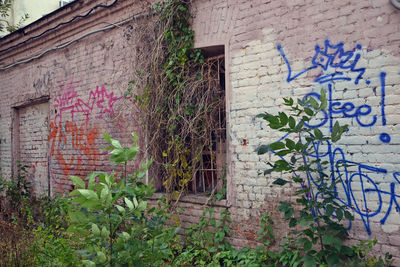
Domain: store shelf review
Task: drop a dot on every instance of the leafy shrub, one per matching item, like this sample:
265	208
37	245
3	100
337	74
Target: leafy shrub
318	235
114	220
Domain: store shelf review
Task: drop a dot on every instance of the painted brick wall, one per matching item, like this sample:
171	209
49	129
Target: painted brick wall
279	49
84	84
273	49
33	145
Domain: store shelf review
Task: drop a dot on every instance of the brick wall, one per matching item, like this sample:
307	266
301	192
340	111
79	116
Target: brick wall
273	49
279	49
83	84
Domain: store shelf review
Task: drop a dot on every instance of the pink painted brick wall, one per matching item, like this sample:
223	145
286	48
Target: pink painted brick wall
84	83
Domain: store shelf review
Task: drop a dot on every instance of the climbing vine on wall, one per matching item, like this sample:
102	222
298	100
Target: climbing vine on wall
177	96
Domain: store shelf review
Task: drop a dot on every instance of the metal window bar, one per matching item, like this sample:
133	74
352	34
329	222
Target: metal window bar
210	173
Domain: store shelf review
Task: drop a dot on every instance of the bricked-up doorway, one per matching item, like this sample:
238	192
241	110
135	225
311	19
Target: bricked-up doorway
30	145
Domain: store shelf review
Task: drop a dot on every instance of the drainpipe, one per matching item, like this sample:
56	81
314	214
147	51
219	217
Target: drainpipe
395	3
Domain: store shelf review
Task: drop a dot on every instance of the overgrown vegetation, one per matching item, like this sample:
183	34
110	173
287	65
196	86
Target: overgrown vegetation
108	220
318	238
177	96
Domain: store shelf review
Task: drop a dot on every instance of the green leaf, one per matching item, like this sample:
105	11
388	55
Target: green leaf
284	118
309	261
299	126
328	239
292	122
116	143
101	257
307	245
269	171
308	111
77	216
262	149
292	222
283	152
314	103
90	204
88	194
299	146
125	235
264	116
348	215
323	100
120	208
277	145
92	179
135	202
128	203
77	181
280	181
135	138
332	259
290	144
104	193
347	251
107	137
329	210
95	229
318	134
142	206
339	214
104	232
88	263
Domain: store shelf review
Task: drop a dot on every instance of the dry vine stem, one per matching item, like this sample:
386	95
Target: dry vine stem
180	100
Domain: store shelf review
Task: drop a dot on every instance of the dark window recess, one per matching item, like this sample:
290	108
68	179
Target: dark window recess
210	173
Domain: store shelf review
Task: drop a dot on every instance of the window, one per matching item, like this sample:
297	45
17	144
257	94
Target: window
211	170
196	162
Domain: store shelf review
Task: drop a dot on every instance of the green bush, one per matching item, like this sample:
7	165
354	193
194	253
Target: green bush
111	216
318	235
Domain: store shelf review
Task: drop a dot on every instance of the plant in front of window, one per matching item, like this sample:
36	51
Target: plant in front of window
112	216
175	91
319	233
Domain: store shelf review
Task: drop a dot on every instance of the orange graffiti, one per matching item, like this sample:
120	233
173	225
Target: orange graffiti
79	142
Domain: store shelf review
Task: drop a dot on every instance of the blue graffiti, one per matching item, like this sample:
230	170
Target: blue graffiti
336	57
346	110
333	56
359	187
346	183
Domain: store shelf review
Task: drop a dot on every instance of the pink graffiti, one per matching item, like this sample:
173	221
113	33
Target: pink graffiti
98	99
65	96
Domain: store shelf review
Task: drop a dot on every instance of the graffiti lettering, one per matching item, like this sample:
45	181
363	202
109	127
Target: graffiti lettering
45	81
331	59
334	57
362	188
99	99
80	139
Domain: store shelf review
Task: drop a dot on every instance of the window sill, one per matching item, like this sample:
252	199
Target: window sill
196	199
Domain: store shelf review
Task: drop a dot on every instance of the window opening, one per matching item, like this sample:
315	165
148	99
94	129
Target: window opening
211	170
208	174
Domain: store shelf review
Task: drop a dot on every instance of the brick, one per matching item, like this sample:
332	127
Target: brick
257	82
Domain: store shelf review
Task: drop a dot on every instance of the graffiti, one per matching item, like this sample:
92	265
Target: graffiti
81	140
363	181
331	57
334	59
70	103
370	192
45	81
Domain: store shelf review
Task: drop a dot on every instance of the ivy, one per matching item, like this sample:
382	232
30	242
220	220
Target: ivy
176	97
